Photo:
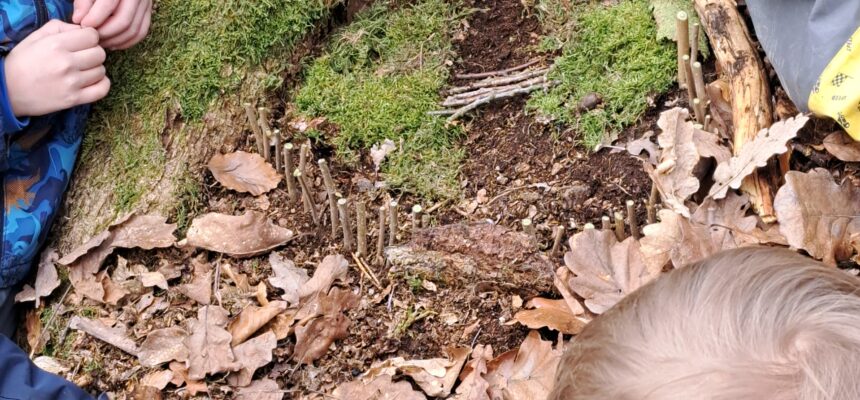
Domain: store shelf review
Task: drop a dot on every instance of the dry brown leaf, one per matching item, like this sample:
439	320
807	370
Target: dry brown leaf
209	350
842	146
674	174
473	383
157	379
163	345
113	336
46	280
180	376
605	269
708	146
436	377
314	339
288	277
251	355
252	318
332	303
767	143
113	291
238	236
331	269
719	93
380	388
263	389
380	150
552	314
150	279
817	215
51	365
244	172
33	324
636	147
729	225
527	373
282	324
200	287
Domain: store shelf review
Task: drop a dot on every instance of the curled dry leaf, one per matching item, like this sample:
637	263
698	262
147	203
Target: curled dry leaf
527	373
163	345
673	176
251	355
242	236
842	146
244	172
552	314
380	150
263	389
380	388
314	339
606	270
636	147
331	269
436	377
288	277
767	143
46	280
708	146
157	379
209	350
473	383
817	215
252	318
180	377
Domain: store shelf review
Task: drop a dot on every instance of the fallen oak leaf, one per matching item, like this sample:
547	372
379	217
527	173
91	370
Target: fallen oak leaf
155	278
473	383
842	146
209	350
163	345
314	338
333	268
252	318
263	389
526	373
379	388
46	280
199	289
252	355
33	325
242	236
767	143
817	215
674	175
436	377
636	147
51	365
244	172
552	314
606	270
180	377
157	379
287	277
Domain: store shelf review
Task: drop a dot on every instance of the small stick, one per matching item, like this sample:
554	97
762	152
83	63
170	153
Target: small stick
278	150
367	272
699	112
255	126
631	219
691	86
708	123
267	132
528	226
306	195
380	242
494	73
416	217
619	227
699	80
558	235
330	191
605	223
682	36
392	222
344	219
502	81
288	168
303	157
361	225
493	96
694	42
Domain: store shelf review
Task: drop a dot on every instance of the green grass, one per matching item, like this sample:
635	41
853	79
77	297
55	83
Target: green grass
198	51
377	79
612	51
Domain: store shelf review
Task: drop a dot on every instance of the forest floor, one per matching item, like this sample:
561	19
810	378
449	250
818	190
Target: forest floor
456	285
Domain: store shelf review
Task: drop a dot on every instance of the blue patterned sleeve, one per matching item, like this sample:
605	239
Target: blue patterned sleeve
8	122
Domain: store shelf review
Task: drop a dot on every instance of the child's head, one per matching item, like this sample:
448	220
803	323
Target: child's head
761	324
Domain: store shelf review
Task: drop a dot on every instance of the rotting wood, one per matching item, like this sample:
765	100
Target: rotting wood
752	110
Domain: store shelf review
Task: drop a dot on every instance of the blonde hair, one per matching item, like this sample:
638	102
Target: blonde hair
761	324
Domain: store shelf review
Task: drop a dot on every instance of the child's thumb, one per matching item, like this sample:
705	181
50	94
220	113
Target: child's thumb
53	27
82	7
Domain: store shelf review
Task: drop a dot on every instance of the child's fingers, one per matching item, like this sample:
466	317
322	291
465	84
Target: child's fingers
127	34
90	58
78	39
53	27
141	34
99	12
95	92
82	7
91	76
121	20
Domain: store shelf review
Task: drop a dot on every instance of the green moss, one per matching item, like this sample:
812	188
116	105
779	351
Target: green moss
378	79
612	51
198	50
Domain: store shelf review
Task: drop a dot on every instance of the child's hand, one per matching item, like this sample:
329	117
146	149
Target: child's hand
121	23
57	67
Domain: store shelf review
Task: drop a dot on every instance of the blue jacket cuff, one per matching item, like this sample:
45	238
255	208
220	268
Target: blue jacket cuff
9	123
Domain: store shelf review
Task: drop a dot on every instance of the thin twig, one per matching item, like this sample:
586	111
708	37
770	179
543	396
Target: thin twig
484	100
47	328
393	225
253	121
306	196
380	243
289	167
631	219
366	271
506	80
466	98
496	73
330	191
361	227
344	219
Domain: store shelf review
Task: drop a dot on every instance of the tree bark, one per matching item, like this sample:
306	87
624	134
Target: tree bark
752	110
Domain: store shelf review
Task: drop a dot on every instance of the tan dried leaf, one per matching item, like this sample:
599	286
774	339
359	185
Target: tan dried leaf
33	324
288	277
51	365
636	147
674	174
150	279
244	172
527	373
436	377
842	146
252	318
163	345
552	314
251	355
473	383
331	269
263	389
817	215
380	388
46	280
767	143
157	379
314	339
200	287
708	145
238	236
719	94
605	269
180	376
209	350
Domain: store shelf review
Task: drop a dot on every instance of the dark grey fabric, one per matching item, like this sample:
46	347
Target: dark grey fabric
800	38
7	312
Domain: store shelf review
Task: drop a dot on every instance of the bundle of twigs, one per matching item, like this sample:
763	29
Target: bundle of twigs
493	86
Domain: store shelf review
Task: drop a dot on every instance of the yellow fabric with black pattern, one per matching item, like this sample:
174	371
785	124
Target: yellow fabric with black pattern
836	94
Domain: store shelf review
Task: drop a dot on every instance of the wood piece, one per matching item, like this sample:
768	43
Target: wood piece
104	333
505	80
682	37
342	207
361	227
620	234
267	133
367	272
416	217
307	199
752	110
605	223
393	224
253	121
495	96
694	41
496	73
380	242
463	99
691	86
528	227
279	151
289	167
699	112
708	123
330	193
701	91
631	219
304	153
557	236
